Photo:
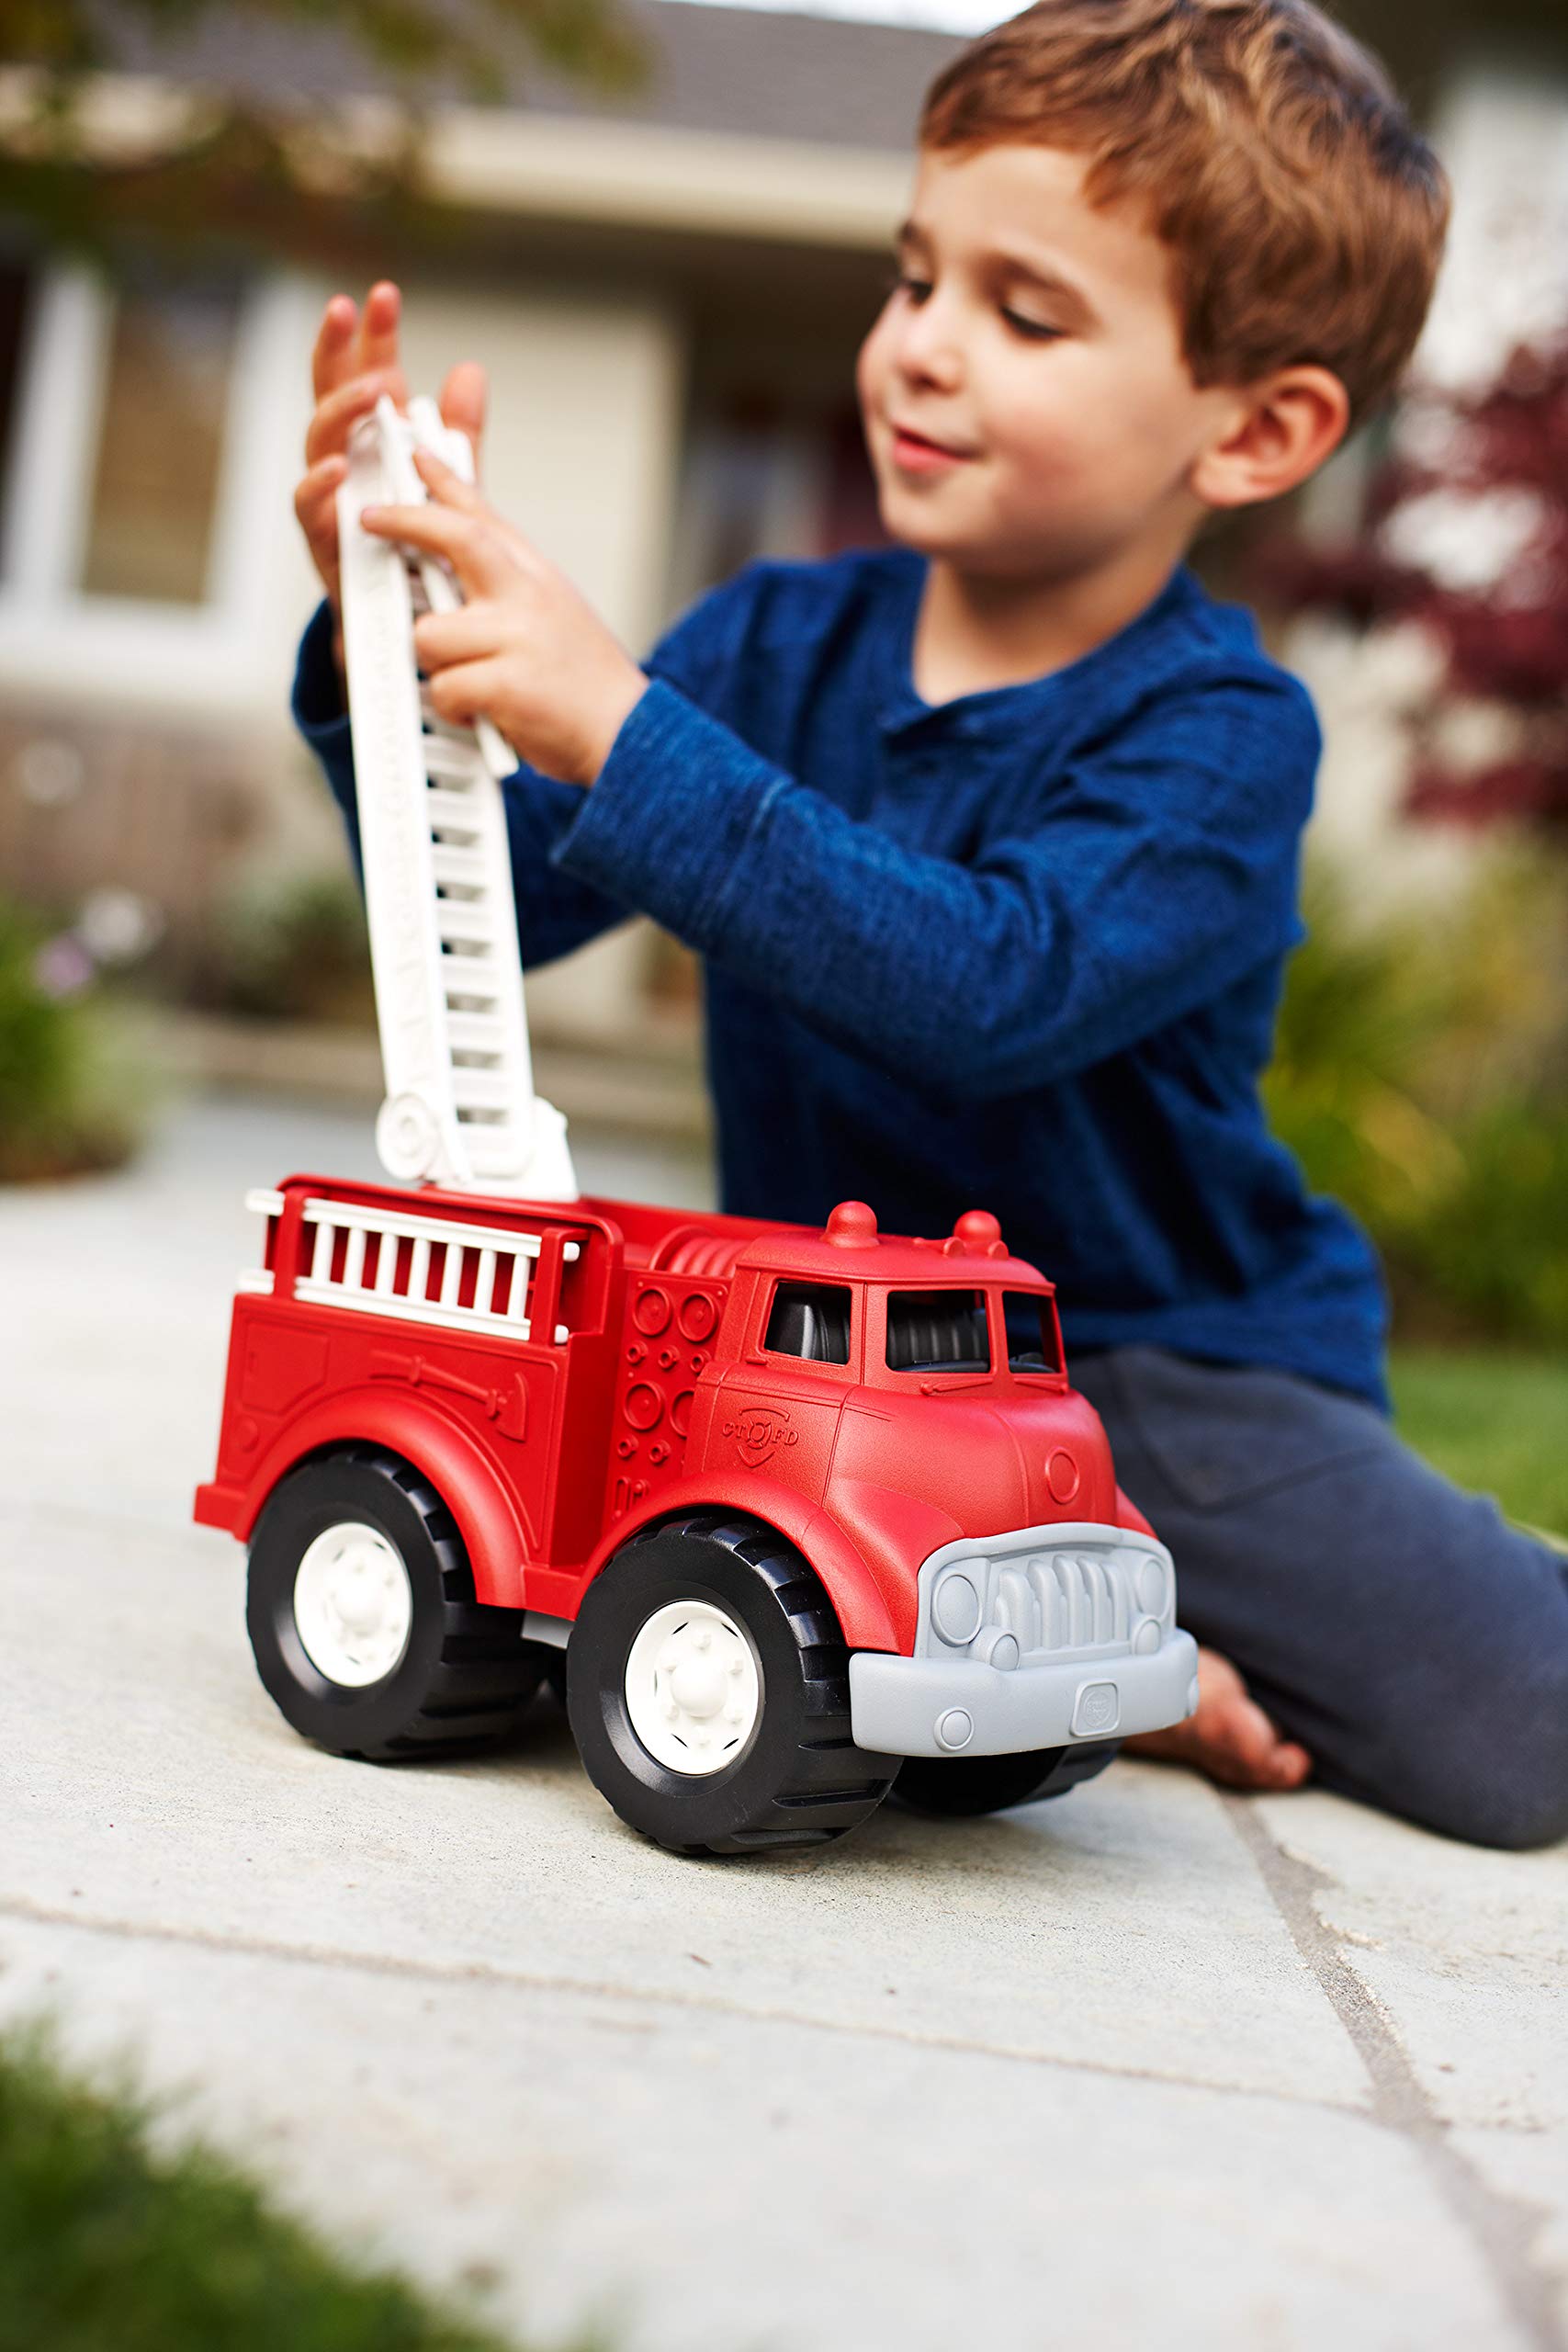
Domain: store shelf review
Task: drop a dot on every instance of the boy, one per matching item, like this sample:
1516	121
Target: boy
988	840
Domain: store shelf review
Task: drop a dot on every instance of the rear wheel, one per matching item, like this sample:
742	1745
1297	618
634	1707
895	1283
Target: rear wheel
708	1688
362	1615
971	1784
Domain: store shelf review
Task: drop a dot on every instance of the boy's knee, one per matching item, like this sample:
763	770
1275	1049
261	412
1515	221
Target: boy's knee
1515	1794
1516	1820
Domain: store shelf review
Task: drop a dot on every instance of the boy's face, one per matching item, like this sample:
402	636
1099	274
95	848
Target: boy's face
1064	395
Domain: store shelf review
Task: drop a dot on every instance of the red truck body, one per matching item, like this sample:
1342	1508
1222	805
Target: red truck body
563	1374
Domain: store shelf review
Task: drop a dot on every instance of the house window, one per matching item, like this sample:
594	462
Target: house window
154	472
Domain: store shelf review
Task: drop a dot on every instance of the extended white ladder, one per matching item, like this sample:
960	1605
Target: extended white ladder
460	1109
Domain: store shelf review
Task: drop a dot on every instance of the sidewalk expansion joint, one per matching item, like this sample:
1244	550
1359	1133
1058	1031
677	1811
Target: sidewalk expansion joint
1501	2228
25	1912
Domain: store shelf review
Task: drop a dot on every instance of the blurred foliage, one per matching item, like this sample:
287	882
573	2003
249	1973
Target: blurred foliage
223	159
290	948
1464	543
1422	1077
66	1088
113	2241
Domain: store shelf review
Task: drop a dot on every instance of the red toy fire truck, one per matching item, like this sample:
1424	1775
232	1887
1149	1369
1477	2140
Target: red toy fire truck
801	1512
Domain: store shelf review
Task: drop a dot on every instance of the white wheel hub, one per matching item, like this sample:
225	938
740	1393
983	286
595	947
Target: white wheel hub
693	1687
352	1603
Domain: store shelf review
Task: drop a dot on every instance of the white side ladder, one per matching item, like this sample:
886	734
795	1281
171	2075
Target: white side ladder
460	1109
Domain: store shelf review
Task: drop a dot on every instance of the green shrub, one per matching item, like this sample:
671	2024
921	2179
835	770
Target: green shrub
295	949
63	1106
1493	1245
1421	1076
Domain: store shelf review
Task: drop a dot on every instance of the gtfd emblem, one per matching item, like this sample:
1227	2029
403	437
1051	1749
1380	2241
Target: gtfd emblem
760	1432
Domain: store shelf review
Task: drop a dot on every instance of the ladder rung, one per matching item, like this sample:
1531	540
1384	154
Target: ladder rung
451	763
481	1088
450	812
466	921
474	1032
463	869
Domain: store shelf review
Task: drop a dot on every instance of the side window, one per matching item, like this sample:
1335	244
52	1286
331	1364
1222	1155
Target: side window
937	1331
1032	1342
812	1320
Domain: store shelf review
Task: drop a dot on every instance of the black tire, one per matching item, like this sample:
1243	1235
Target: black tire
972	1784
465	1673
798	1779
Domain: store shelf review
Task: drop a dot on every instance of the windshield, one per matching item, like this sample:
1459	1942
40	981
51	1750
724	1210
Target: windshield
937	1331
1033	1341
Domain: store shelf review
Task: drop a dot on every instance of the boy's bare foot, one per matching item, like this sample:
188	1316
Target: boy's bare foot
1229	1737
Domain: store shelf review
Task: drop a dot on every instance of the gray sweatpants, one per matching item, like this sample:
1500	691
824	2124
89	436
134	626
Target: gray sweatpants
1413	1642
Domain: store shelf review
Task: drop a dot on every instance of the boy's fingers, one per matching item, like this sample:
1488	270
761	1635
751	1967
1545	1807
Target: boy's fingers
467	635
449	488
315	499
327	434
462	401
328	357
477	556
321	485
378	326
469	691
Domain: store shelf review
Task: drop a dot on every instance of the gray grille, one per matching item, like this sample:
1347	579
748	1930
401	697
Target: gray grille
1056	1591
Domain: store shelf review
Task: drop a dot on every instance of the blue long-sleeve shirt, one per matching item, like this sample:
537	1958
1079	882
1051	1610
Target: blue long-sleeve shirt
1022	950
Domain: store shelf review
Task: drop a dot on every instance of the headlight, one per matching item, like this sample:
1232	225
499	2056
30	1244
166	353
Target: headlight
955	1608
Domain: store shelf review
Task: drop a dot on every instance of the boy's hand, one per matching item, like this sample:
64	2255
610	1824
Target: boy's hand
525	652
355	361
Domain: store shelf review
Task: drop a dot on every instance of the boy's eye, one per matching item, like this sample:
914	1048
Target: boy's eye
1034	328
917	289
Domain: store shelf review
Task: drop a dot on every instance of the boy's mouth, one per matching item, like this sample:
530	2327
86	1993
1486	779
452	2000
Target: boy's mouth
919	454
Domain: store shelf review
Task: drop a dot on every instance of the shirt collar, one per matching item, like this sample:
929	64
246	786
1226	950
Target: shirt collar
996	710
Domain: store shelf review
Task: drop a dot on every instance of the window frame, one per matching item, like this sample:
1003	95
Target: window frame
54	635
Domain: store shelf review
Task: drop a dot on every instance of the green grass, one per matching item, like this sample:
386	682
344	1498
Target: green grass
108	2243
1497	1424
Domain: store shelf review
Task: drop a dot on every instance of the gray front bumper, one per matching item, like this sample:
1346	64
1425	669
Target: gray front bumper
918	1706
1032	1637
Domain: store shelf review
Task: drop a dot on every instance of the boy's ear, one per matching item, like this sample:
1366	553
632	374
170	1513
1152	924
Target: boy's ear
1277	433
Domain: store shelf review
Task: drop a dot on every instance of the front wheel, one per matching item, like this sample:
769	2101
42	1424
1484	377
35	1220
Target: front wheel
362	1615
708	1689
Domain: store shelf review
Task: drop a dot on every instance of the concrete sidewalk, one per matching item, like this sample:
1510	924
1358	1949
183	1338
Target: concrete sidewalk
1145	2066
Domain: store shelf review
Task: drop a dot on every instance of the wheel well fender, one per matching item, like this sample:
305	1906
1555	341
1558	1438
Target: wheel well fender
862	1607
494	1536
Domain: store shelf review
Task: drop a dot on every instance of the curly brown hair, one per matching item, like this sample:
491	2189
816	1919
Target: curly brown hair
1269	151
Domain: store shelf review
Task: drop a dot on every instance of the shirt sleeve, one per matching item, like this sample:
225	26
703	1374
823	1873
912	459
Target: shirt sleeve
557	909
1152	874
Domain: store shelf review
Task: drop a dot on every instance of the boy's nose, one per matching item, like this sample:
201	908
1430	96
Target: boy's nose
929	348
